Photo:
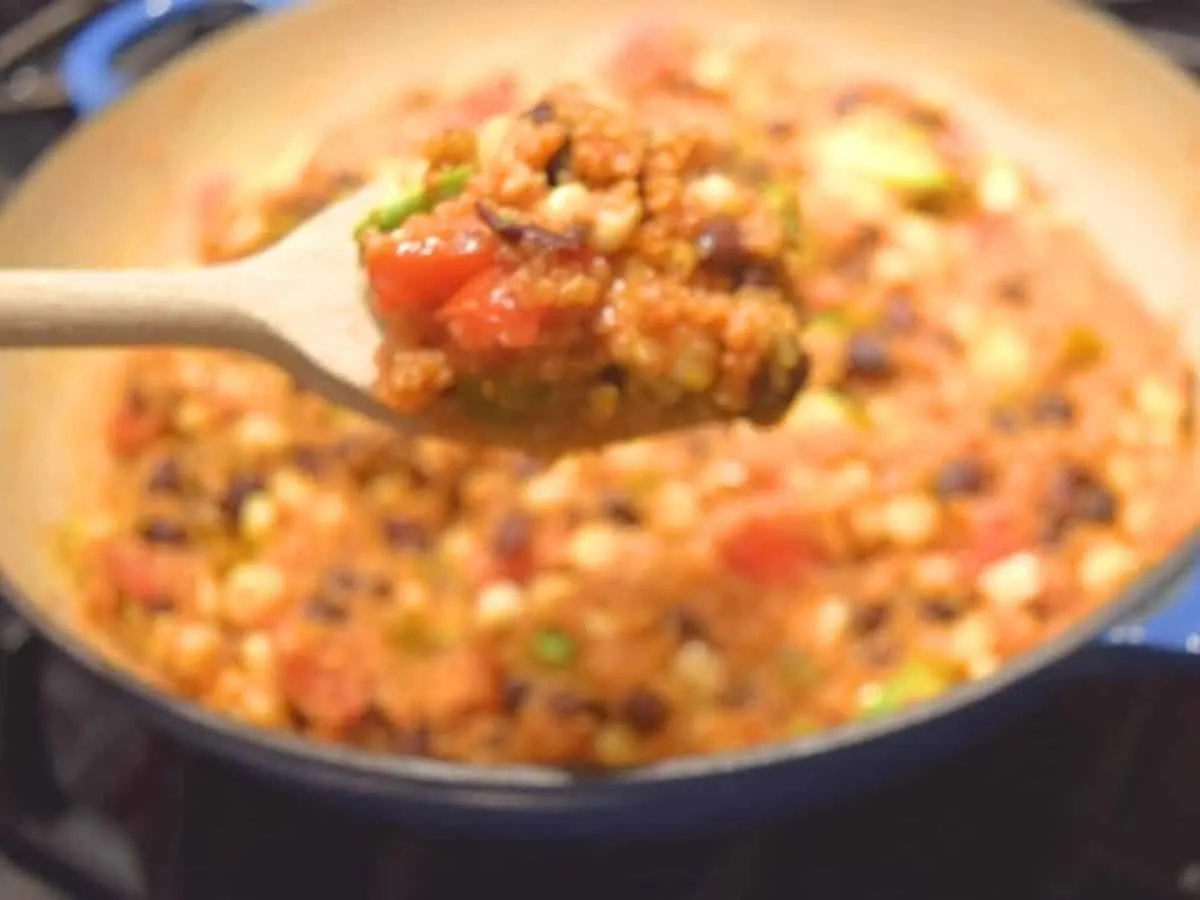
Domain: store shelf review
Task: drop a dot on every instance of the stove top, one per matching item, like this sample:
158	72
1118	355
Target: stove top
1094	795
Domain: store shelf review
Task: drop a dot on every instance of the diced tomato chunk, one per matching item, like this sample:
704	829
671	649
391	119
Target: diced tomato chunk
130	430
993	534
426	263
147	576
330	683
765	545
487	314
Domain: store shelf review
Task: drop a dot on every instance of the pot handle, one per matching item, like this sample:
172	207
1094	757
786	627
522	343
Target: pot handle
1173	626
90	73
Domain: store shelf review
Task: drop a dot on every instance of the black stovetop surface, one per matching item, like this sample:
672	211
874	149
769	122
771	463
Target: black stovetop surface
1094	795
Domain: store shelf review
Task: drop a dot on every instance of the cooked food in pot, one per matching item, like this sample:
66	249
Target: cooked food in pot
995	439
575	274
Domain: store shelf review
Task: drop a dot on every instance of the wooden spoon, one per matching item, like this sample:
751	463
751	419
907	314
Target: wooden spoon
300	304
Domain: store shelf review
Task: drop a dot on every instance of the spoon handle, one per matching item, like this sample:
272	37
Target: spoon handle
77	308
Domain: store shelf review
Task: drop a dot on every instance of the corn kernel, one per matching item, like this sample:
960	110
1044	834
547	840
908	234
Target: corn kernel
715	194
1013	581
1105	566
499	603
252	592
566	204
595	548
258	517
911	520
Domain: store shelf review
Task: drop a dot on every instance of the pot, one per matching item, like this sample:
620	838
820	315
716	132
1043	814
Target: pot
1114	129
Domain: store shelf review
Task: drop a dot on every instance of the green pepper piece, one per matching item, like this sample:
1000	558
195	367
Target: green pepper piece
552	647
445	186
450	183
914	681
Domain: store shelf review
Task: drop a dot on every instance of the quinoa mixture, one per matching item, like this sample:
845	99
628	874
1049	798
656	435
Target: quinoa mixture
994	437
579	274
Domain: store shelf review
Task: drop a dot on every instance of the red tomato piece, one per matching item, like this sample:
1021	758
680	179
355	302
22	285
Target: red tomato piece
147	576
766	546
426	263
994	535
487	314
129	431
330	683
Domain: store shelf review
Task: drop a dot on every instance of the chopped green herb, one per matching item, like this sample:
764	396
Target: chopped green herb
445	186
450	183
915	681
393	215
553	648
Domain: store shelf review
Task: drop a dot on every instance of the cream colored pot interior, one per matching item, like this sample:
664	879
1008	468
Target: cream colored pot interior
1114	130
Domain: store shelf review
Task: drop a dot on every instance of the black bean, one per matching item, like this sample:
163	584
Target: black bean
542	112
614	375
135	400
1064	483
1052	408
645	711
565	704
961	476
941	609
527	233
769	398
1075	494
871	619
1096	503
514	695
797	376
340	579
720	247
416	741
1005	420
621	509
687	625
760	273
402	533
165	478
159	603
1051	527
163	531
309	458
898	313
241	488
559	164
1013	290
513	534
320	608
867	357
